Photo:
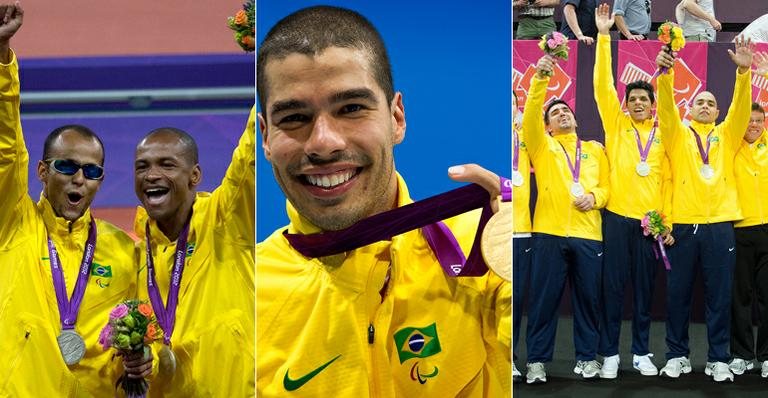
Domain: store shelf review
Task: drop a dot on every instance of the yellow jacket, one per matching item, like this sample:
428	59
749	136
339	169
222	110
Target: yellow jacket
432	336
30	361
555	213
752	181
631	194
521	196
696	200
213	335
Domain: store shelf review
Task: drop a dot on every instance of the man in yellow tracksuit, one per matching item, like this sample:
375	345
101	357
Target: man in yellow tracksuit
572	182
750	276
57	226
212	235
704	206
521	243
639	176
381	320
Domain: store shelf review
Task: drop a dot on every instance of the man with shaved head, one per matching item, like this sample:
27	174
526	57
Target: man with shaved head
197	265
704	206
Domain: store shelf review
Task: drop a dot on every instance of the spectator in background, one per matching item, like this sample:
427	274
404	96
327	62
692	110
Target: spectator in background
757	30
535	18
579	20
633	18
697	18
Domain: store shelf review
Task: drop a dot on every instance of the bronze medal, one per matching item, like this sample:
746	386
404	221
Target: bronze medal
496	242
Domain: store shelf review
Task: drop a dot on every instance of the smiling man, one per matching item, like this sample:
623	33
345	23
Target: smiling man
55	256
382	320
198	269
640	175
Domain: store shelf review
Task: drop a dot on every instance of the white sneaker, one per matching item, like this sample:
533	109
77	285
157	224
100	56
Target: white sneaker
587	369
719	371
764	369
516	375
675	366
536	373
738	366
610	367
644	364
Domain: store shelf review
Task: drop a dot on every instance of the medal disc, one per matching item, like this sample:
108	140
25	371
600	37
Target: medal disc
577	190
643	169
496	242
517	178
167	361
707	171
72	346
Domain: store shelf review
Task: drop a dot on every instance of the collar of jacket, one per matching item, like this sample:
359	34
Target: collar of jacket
158	237
59	227
702	128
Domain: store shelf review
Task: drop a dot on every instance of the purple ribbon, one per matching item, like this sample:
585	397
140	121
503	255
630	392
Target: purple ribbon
663	253
425	214
575	168
516	150
704	153
69	308
644	150
166	315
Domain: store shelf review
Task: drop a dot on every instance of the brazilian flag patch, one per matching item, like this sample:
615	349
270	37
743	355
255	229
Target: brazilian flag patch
104	271
414	342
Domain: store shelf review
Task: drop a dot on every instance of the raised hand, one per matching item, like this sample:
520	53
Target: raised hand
665	59
545	67
603	18
13	16
743	55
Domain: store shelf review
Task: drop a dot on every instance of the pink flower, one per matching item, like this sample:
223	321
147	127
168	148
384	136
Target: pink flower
105	337
552	43
645	223
559	38
118	312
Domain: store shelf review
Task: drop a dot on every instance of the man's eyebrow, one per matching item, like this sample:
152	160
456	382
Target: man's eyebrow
356	93
286	105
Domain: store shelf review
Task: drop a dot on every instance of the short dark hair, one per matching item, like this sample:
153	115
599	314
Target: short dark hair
79	129
642	85
311	30
551	104
757	108
187	140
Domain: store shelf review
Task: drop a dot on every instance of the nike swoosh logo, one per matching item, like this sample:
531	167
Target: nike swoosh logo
295	384
527	250
731	249
599	254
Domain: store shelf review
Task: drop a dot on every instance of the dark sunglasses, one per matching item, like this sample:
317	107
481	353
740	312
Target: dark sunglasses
70	168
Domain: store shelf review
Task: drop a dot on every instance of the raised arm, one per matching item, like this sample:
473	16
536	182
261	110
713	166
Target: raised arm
737	119
666	110
533	122
608	105
13	152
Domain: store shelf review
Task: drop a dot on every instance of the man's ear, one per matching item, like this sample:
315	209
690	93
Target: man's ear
398	117
264	138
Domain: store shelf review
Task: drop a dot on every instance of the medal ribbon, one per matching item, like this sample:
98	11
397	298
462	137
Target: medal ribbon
647	148
575	168
425	214
166	315
70	307
516	150
704	153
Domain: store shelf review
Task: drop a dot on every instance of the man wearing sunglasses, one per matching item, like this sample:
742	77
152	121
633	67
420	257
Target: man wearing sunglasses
61	271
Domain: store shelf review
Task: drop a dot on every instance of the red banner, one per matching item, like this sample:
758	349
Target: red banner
637	61
525	55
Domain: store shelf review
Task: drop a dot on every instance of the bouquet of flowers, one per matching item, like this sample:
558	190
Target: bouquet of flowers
672	36
655	224
555	44
131	328
243	25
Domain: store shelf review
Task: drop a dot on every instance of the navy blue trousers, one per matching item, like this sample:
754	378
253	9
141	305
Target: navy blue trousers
521	264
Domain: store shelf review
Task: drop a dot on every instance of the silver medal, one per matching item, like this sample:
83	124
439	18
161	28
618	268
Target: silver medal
707	171
577	190
643	168
72	346
167	361
517	178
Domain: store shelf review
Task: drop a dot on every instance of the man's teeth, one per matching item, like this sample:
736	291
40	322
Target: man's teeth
328	181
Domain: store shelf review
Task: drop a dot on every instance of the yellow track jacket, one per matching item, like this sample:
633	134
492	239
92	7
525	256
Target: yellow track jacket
696	200
752	181
213	336
631	194
30	361
521	196
323	330
555	213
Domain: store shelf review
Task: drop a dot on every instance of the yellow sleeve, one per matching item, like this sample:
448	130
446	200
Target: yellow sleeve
235	197
669	117
602	191
533	123
666	187
13	152
608	104
737	119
